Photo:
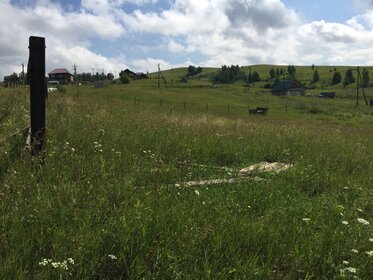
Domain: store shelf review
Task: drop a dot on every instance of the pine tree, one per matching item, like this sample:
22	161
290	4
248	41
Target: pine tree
365	78
348	78
337	78
316	76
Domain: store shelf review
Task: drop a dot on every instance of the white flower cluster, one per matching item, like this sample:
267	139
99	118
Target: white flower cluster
362	221
97	146
62	265
113	257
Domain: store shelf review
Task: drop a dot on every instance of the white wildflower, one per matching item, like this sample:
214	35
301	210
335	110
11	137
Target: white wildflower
177	185
113	257
360	210
351	269
72	149
71	261
354	251
369	253
345	223
197	192
45	262
363	221
306	219
371	239
203	202
346	262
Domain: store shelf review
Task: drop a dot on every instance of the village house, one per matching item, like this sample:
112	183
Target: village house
135	75
61	75
289	88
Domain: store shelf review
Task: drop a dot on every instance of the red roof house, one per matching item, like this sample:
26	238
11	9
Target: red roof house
61	75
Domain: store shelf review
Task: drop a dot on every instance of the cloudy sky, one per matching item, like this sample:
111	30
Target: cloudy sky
111	35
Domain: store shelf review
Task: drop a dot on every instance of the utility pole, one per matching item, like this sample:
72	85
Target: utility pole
160	76
23	74
76	79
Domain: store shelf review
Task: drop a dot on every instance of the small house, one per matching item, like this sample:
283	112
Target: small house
289	88
61	75
135	75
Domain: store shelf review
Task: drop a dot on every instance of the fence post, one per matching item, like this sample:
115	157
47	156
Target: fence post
36	77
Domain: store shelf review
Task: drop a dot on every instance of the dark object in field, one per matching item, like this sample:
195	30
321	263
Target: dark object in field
258	111
327	95
38	92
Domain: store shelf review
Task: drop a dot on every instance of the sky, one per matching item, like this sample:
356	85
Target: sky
112	35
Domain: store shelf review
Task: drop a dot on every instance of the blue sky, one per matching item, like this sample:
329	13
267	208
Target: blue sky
140	34
329	10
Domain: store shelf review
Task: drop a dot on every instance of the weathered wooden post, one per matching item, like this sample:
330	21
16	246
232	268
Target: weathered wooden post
36	77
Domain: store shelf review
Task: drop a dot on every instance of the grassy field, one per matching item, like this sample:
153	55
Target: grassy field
110	203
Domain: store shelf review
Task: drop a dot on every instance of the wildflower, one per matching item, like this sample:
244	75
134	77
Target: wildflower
345	223
71	261
306	219
346	262
177	185
113	257
362	221
371	239
197	192
203	202
354	251
351	269
72	149
45	262
369	253
360	210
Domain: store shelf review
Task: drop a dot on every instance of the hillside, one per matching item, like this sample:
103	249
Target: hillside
303	73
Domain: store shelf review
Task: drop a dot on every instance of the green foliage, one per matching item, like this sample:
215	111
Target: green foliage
272	73
184	79
110	76
348	78
192	70
316	76
110	202
229	74
13	78
337	78
365	77
253	77
292	71
125	79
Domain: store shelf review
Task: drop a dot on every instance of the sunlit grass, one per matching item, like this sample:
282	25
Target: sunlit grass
108	203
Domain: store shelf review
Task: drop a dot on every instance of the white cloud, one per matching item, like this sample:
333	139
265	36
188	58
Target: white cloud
219	32
65	32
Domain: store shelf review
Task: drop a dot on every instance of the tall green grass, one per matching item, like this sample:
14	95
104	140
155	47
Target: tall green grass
109	195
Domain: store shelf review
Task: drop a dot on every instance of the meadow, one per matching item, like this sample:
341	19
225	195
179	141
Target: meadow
110	200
